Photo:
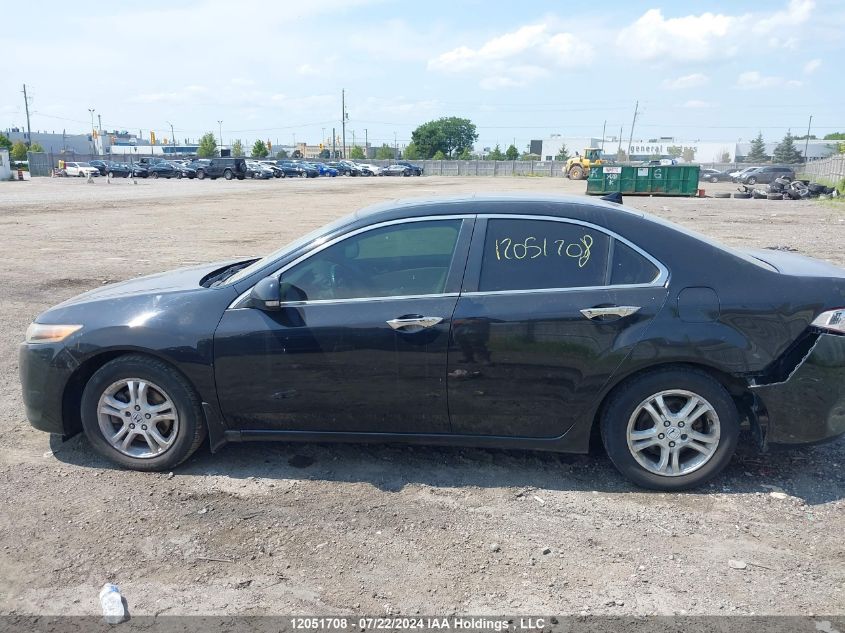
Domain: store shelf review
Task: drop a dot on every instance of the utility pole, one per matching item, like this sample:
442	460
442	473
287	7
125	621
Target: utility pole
395	148
334	151
172	133
220	130
28	130
619	149
366	143
633	123
807	140
100	123
93	145
603	129
343	118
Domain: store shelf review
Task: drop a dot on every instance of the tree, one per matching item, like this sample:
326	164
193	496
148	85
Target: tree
5	143
356	153
448	135
496	154
259	149
36	147
757	153
689	154
385	152
281	154
563	154
835	136
325	153
725	157
208	146
786	152
511	153
466	154
237	149
675	151
530	156
621	156
18	151
439	155
411	151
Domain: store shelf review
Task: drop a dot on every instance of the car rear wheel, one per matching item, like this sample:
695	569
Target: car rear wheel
227	174
154	175
141	413
178	175
670	429
752	181
714	179
111	174
200	174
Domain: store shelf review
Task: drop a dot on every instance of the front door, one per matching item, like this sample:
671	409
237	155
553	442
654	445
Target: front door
361	345
552	308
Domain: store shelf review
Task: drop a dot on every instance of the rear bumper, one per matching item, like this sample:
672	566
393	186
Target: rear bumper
44	371
809	406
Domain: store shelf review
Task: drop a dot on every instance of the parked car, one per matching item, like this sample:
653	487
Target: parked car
162	169
291	169
189	168
101	165
325	170
258	171
369	170
304	169
118	170
396	170
228	168
764	175
346	168
543	322
278	172
736	175
76	168
416	170
713	175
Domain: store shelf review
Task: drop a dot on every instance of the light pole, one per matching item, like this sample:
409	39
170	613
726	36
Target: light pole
172	135
93	145
220	129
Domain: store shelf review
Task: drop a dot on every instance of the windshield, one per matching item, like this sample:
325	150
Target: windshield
292	246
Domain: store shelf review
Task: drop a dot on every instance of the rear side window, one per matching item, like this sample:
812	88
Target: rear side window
629	267
536	254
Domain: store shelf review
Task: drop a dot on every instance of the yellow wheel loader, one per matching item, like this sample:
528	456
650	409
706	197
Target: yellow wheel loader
578	167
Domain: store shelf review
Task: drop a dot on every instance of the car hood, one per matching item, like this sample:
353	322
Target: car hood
188	278
795	264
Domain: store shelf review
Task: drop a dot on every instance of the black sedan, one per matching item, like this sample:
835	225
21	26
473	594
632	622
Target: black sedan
118	170
162	170
396	170
416	170
500	322
101	165
714	175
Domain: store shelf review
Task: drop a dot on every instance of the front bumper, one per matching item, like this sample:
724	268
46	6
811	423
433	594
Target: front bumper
809	406
44	371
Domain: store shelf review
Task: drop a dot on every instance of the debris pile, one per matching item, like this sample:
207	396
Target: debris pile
786	189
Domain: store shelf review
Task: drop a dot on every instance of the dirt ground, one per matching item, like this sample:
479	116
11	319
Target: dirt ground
305	528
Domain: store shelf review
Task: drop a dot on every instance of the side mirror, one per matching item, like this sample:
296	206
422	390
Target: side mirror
265	294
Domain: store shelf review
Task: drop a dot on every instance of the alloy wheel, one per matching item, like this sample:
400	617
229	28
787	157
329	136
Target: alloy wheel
137	418
673	432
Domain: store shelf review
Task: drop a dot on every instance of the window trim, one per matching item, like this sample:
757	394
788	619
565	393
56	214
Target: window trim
661	280
236	304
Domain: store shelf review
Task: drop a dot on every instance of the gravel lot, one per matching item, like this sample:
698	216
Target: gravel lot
288	528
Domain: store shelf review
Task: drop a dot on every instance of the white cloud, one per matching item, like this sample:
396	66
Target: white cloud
812	66
711	36
516	58
184	95
754	80
686	82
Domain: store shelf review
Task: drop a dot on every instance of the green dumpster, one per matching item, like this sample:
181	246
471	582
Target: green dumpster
651	180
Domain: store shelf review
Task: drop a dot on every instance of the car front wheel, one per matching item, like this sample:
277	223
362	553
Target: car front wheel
141	413
670	429
751	181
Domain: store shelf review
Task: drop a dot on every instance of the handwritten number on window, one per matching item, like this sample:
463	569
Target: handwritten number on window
530	248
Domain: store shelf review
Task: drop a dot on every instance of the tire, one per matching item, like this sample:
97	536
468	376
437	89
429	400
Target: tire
676	386
742	196
111	174
406	173
227	174
751	181
721	194
186	424
200	174
282	175
154	175
714	179
774	196
178	175
576	172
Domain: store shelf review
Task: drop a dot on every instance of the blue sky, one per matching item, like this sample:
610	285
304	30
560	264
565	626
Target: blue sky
519	70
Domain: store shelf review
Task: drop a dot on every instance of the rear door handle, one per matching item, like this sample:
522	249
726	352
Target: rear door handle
617	311
414	322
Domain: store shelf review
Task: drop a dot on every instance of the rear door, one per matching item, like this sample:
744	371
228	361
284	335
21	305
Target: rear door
550	309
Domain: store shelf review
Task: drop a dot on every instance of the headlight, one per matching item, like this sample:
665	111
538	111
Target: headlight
42	333
833	320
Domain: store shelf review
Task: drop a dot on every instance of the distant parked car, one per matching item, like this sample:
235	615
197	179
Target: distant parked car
305	169
278	172
325	170
80	169
189	168
162	170
736	175
346	168
396	170
713	175
118	170
416	170
258	171
369	170
767	174
291	169
101	165
228	168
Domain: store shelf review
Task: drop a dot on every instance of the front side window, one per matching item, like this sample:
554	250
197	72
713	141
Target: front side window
535	254
407	259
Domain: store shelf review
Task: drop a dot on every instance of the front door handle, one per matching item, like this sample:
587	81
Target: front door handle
617	311
408	322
